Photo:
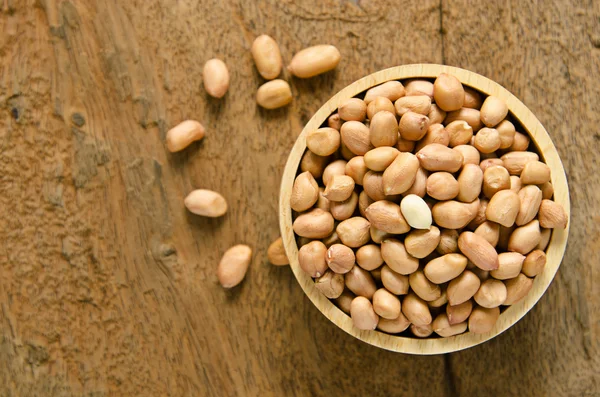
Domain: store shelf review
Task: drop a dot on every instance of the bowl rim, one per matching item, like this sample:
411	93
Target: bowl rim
554	251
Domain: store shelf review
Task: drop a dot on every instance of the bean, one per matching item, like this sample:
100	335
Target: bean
387	216
495	179
525	238
419	87
419	104
530	199
448	242
471	116
459	313
490	231
517	288
314	60
491	293
355	135
311	258
342	210
394	254
487	140
454	214
416	310
503	208
436	133
448	92
360	282
216	77
313	163
436	114
493	111
395	326
436	157
369	257
442	186
445	268
305	192
206	203
354	232
380	104
386	304
469	153
416	212
400	175
462	288
356	169
274	94
391	90
441	326
534	263
380	158
520	142
420	243
234	265
552	215
323	141
394	282
184	134
413	126
535	173
459	132
472	98
482	320
340	188
330	284
363	315
267	56
515	161
315	223
506	130
424	288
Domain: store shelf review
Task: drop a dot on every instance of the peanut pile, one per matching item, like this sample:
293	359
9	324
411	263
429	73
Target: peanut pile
421	206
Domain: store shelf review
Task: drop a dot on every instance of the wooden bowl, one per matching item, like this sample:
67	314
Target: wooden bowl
554	252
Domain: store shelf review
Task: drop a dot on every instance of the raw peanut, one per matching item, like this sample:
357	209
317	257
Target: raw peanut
380	158
360	282
363	315
356	169
471	116
525	238
395	256
386	304
330	284
274	94
337	167
454	214
534	263
535	173
413	126
517	288
216	77
369	257
421	331
493	111
509	265
333	238
364	201
342	210
387	216
469	153
436	115
394	282
355	135
505	233
436	157
439	302
314	60
183	134
491	293
482	320
551	215
379	104
545	239
448	92
459	132
478	250
515	161
314	224
353	109
416	310
354	232
419	187
441	326
462	288
376	274
267	56
487	140
469	183
490	231
506	129
405	145
487	163
445	268
344	301
378	235
424	288
234	265
472	98
322	202
314	164
311	258
503	208
530	198
495	179
323	141
391	90
373	185
436	133
480	216
459	313
547	190
395	326
448	242
345	152
334	121
520	142
442	186
419	104
420	243
416	212
515	183
401	174
276	253
419	87
340	258
206	203
305	192
340	188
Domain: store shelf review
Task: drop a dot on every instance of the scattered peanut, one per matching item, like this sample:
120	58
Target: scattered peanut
184	134
234	265
276	253
274	94
314	60
206	203
216	77
267	56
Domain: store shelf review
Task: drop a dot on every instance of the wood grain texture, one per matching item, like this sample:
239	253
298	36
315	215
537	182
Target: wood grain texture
108	286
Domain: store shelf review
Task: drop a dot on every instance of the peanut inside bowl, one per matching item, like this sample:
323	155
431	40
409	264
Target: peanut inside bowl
426	240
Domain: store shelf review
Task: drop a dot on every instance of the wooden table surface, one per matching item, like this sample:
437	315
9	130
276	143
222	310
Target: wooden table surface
108	285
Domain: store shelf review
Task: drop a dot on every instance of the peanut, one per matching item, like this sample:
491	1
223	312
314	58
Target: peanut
380	158
448	92
420	243
395	256
454	214
405	145
216	77
353	109
419	186
354	232
395	326
441	326
547	190
459	132
482	320
373	185
490	231
448	242
445	268
380	104
387	216
330	284
421	331
478	250
487	163
439	302
506	129
369	257
469	153
515	161
314	224
469	183
442	186
385	304
344	301
322	202
491	293
436	133
323	141
312	163
551	215
517	288
401	174
459	313
487	140
276	253
419	104
337	167
419	87
416	212
356	169
530	199
360	282
363	315
493	111
509	265
305	192
234	265
342	210
515	183
525	238
364	201
334	121
183	134
267	56
424	288
391	90
520	142
274	94
314	60
503	208
413	126
534	263
436	157
206	203
340	188
394	282
480	216
545	239
471	116
311	258
355	135
495	179
416	310
535	173
472	98
340	258
436	115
